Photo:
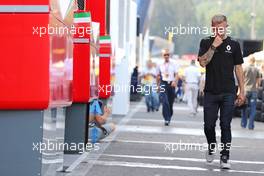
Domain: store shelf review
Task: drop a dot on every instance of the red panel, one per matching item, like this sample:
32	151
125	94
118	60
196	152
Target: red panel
105	77
105	49
105	71
24	68
81	64
84	31
98	12
24	2
81	72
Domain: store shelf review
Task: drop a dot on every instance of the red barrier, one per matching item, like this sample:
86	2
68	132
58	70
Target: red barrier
24	68
36	60
81	69
105	67
98	11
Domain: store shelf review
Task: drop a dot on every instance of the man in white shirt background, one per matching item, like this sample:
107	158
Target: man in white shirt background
167	81
192	76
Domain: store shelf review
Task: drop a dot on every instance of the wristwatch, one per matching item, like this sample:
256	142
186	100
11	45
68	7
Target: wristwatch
212	47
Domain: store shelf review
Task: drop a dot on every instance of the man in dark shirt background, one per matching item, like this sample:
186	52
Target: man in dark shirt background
220	54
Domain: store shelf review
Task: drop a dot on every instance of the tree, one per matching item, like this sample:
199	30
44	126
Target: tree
198	13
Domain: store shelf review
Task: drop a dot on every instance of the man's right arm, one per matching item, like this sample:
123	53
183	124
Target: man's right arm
101	119
207	57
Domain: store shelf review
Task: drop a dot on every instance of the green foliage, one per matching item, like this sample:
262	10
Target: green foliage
198	13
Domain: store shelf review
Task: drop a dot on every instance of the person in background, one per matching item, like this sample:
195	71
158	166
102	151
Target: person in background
179	91
155	92
167	81
134	81
262	70
99	127
252	80
149	75
134	84
192	77
261	84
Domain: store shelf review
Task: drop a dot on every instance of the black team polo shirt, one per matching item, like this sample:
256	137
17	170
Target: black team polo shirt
220	70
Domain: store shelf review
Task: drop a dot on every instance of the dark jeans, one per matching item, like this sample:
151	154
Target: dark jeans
212	104
167	98
249	110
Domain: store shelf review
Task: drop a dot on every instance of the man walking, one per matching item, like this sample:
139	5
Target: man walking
252	79
167	76
220	54
149	75
192	77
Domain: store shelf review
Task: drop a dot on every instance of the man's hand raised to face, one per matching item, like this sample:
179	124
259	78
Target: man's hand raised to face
217	41
206	58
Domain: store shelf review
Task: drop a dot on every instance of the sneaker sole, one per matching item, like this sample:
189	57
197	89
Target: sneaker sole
225	166
211	159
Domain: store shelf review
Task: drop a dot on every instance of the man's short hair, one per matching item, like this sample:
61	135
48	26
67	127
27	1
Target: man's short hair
217	19
252	58
149	61
165	50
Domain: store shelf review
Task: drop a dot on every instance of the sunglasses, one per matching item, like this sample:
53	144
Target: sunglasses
166	54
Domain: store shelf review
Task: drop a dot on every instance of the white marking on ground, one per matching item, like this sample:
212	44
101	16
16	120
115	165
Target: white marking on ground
147	165
180	159
176	107
200	123
164	143
54	161
184	131
174	167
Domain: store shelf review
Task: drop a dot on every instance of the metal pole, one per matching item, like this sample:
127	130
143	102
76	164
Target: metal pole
80	4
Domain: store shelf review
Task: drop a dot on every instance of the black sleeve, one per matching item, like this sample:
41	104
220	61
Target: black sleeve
203	48
238	58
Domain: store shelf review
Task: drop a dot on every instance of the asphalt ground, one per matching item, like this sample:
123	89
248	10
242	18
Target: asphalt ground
143	146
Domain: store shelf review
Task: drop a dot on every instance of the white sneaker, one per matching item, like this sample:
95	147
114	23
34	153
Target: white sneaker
167	123
224	162
209	156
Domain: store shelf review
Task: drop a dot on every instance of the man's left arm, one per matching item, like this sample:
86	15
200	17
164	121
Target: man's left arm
240	79
238	61
176	76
